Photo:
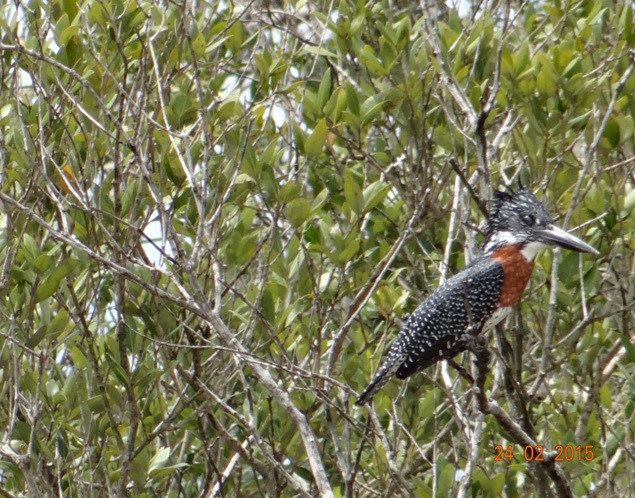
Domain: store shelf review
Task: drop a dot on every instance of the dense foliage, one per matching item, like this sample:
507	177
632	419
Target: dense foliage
216	215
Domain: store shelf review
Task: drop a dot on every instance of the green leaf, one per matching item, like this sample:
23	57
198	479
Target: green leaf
626	22
129	197
314	144
319	201
353	194
79	359
31	250
159	459
628	346
370	60
349	250
352	99
213	46
546	81
96	404
60	26
371	108
374	194
629	202
496	484
268	306
166	471
68	33
58	325
36	338
522	58
116	368
325	89
270	155
606	397
318	51
611	134
289	192
236	34
50	284
297	211
629	409
70	7
199	43
336	104
446	476
42	263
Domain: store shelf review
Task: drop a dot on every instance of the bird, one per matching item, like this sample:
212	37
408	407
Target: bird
482	294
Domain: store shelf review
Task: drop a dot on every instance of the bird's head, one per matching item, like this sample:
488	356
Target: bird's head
519	218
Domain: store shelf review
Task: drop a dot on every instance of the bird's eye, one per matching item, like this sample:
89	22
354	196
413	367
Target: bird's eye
528	219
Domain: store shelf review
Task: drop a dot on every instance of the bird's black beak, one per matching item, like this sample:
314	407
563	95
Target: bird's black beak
555	236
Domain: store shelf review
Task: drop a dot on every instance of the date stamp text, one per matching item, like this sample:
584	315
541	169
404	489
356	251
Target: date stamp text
566	453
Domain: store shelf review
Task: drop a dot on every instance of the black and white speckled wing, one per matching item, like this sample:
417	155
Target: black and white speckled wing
435	330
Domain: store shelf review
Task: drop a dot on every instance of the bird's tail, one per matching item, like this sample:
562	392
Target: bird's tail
378	382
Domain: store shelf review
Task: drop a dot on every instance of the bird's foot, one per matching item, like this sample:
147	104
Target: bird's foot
477	344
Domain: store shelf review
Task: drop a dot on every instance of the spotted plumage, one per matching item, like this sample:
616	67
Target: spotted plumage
482	294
